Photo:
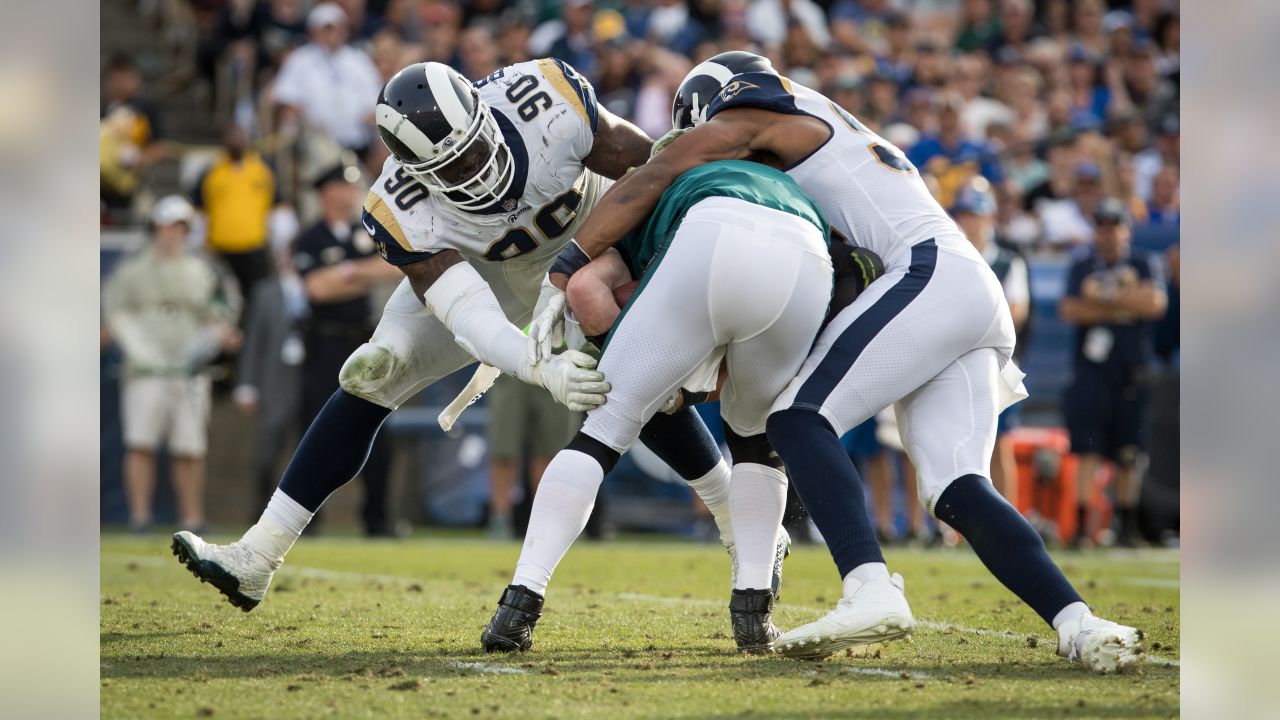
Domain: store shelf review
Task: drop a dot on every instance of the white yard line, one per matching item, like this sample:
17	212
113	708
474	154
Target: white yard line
487	668
321	573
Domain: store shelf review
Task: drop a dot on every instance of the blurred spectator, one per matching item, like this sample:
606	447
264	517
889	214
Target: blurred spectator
514	33
1112	297
570	38
769	21
166	311
339	267
977	111
128	137
862	26
1165	151
268	373
477	54
526	429
950	156
979	26
1090	97
1017	28
668	24
1164	209
975	213
1153	95
237	193
328	84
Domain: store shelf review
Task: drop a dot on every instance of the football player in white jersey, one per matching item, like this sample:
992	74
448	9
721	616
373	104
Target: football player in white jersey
933	336
484	186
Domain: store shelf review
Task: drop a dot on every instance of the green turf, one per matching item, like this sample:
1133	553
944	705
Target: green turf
632	629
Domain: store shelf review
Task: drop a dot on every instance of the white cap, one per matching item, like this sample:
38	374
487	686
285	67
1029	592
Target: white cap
326	13
173	209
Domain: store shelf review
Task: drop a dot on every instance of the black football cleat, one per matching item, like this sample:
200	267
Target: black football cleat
512	625
750	612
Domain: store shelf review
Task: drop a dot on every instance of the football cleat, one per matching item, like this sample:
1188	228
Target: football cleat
750	612
512	625
876	612
237	570
1101	645
781	551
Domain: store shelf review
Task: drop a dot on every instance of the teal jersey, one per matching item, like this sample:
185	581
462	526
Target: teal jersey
755	183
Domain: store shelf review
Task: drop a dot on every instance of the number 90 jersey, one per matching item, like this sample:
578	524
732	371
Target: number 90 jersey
866	188
548	117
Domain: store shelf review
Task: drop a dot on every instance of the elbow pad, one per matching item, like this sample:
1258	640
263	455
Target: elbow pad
465	303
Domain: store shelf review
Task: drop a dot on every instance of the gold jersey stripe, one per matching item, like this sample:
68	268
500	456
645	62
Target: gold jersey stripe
786	85
561	84
374	205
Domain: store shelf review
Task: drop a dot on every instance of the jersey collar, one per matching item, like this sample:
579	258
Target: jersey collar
520	156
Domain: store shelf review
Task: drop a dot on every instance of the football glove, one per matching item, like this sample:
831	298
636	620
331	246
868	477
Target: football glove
572	380
546	332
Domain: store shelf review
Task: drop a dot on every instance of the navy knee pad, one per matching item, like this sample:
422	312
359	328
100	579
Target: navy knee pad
755	449
601	453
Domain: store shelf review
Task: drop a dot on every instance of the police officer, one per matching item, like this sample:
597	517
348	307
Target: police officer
339	266
1113	296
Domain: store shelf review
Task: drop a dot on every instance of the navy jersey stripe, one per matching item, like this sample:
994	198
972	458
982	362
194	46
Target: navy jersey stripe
584	91
388	247
845	350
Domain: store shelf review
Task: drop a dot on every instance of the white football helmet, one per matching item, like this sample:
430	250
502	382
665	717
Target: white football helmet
444	136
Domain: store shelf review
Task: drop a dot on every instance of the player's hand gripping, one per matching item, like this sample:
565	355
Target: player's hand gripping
546	332
572	380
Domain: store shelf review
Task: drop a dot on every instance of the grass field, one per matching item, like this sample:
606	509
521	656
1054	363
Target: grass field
632	629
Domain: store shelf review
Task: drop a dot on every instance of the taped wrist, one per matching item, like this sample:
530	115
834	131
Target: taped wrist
570	260
465	303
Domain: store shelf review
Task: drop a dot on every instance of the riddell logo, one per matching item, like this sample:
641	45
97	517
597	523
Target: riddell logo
734	88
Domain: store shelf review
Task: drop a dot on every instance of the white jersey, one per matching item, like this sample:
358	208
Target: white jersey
868	191
548	117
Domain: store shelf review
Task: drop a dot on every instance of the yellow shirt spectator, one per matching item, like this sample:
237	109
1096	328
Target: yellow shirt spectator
236	197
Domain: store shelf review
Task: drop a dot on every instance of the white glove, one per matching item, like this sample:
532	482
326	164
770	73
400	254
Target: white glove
572	380
546	332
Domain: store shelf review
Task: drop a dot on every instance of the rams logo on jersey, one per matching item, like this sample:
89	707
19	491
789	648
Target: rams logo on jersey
734	88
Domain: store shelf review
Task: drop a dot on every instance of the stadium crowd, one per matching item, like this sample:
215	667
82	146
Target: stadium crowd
1052	122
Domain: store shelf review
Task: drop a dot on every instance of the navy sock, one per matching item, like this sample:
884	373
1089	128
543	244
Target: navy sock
1006	543
828	484
683	442
333	450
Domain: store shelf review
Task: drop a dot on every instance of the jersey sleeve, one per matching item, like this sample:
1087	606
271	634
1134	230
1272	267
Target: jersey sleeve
764	91
574	89
394	243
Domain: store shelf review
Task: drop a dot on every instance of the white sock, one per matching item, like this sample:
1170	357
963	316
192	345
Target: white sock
1074	611
757	499
560	511
278	528
713	489
864	573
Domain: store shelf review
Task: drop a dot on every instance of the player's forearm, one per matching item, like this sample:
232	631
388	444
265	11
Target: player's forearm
1080	311
1145	301
623	207
465	303
333	284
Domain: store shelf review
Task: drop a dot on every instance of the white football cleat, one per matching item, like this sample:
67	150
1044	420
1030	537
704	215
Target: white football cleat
1101	645
237	570
876	612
